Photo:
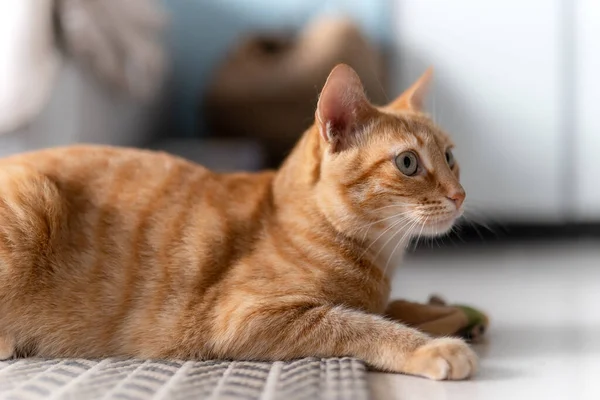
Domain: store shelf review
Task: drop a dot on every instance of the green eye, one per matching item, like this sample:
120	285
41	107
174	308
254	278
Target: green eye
450	158
407	163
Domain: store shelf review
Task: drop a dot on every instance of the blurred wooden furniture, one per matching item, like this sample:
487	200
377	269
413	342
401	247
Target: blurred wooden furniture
268	86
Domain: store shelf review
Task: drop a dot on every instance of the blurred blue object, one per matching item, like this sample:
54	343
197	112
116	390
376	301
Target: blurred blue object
203	31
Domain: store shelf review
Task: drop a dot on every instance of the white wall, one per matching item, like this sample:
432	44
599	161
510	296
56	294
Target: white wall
82	111
587	109
500	91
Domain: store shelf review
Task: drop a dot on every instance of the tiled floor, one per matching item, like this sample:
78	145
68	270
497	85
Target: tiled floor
544	304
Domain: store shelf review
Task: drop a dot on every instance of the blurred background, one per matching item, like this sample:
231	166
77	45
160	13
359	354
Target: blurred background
232	84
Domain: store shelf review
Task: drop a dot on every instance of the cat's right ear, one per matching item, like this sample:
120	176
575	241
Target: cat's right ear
341	107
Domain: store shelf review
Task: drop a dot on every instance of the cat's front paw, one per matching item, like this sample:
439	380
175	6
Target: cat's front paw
441	359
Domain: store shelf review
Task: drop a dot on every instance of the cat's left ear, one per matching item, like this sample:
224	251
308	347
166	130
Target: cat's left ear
413	99
342	108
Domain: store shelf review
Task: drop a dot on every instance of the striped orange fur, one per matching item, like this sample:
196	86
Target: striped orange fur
122	252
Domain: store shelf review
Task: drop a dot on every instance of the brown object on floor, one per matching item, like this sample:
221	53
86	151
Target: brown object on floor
437	318
268	87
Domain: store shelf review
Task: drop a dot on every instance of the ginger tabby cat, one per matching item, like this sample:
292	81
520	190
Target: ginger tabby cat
122	252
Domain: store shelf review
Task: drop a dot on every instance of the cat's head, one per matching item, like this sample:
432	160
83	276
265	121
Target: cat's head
385	167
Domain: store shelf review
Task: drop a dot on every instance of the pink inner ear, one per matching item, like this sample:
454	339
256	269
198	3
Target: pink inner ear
340	124
339	103
334	115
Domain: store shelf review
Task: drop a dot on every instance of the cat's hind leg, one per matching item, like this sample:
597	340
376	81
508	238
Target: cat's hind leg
32	219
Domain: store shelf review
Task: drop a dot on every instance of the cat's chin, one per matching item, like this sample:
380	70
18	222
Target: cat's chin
439	228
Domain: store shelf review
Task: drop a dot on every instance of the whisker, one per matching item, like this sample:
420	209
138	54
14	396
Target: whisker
386	218
380	235
456	230
396	246
392	237
420	232
370	225
474	226
473	214
473	222
407	232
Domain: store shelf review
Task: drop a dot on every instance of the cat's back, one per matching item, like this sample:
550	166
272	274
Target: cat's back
94	200
96	172
113	196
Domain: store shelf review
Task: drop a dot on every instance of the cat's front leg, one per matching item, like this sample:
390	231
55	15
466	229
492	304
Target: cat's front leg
280	333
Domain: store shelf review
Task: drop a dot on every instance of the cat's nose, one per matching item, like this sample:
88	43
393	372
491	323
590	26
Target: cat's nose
458	198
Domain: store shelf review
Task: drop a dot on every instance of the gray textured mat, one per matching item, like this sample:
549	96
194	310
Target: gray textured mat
76	379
